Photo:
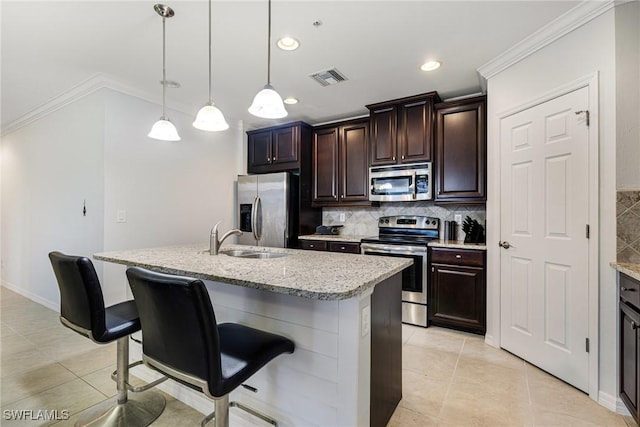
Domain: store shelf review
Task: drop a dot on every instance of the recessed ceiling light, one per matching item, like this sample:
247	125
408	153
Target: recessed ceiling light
430	65
290	100
288	43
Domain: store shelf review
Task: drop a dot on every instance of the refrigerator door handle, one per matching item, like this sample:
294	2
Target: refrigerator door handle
254	216
257	229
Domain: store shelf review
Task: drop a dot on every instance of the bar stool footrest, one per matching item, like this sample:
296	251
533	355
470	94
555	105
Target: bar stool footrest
114	377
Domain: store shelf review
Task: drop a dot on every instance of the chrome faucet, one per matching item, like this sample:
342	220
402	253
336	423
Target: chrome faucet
214	243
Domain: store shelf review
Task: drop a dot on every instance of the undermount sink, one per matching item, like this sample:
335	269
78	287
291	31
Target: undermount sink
252	254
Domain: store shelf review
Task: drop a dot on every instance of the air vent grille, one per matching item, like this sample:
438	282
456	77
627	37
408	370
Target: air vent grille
328	77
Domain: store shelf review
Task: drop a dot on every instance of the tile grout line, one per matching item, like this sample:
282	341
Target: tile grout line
530	405
453	374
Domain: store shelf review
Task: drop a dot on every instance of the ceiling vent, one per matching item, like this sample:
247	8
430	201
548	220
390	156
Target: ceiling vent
328	77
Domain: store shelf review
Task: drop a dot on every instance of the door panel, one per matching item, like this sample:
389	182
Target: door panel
325	165
354	170
544	211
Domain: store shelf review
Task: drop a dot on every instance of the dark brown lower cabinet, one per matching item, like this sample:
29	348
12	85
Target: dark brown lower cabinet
457	291
330	245
630	346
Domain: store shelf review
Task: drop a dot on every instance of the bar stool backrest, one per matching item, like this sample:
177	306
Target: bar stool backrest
179	329
81	301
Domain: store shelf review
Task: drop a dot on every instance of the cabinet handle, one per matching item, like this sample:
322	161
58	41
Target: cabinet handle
403	157
342	248
623	289
393	158
342	196
458	256
634	325
312	246
433	269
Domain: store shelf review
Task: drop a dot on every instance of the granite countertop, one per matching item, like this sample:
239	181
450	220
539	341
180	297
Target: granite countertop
630	269
333	237
308	274
457	244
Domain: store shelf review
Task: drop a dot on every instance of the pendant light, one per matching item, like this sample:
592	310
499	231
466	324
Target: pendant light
267	103
163	129
210	118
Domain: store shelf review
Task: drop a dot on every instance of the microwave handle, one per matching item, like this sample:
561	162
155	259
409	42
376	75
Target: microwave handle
415	186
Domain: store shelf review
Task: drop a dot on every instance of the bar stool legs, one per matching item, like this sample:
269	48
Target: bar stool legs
135	410
220	416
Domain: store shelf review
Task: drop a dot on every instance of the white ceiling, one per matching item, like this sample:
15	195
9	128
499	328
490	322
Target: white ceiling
50	46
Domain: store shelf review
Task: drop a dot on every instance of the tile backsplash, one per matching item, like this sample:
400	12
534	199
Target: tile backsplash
628	226
364	221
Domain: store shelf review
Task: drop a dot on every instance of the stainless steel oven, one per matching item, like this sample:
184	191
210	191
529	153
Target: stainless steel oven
414	279
407	236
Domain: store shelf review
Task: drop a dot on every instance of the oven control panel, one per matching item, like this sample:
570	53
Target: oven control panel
410	222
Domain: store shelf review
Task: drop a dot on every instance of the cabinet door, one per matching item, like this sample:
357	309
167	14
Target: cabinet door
353	165
461	152
415	131
457	297
285	145
325	165
259	147
383	136
629	359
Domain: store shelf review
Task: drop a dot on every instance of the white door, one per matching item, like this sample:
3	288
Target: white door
544	216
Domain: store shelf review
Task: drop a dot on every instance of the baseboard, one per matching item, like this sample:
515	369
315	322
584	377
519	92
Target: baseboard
613	403
490	340
33	297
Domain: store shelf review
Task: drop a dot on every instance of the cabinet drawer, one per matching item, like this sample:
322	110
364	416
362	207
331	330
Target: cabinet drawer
314	245
630	290
458	257
351	248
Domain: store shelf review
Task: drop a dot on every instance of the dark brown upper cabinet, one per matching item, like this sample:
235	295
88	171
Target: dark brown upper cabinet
278	148
340	164
402	130
460	163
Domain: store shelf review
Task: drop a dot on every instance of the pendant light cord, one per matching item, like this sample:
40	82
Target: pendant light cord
269	48
164	74
210	96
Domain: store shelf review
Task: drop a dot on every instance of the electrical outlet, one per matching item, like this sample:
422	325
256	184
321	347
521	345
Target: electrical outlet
121	216
366	321
457	218
342	217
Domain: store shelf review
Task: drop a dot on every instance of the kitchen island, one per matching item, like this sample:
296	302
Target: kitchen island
342	311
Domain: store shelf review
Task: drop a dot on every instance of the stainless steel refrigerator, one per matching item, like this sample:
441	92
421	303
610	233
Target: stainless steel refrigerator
268	211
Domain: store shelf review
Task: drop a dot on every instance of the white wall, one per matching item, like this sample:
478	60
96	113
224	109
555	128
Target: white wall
172	192
97	149
588	49
48	169
628	95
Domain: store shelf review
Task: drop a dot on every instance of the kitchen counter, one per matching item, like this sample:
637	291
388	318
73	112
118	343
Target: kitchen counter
343	313
630	269
333	237
457	244
315	275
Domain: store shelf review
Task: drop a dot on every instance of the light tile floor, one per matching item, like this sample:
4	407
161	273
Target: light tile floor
449	378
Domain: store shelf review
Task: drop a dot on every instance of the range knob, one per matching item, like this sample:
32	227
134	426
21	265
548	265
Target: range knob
386	221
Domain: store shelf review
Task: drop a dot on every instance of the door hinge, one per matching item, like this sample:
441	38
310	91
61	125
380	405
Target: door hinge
586	112
588	230
586	344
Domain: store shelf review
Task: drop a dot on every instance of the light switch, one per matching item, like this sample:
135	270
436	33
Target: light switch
121	216
342	217
458	219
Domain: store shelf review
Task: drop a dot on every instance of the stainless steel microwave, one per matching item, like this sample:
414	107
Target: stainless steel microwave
400	183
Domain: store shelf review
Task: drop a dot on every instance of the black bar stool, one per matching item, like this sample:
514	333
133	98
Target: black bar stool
182	340
82	310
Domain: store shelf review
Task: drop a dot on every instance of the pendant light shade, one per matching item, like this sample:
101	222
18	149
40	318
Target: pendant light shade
268	103
163	129
210	118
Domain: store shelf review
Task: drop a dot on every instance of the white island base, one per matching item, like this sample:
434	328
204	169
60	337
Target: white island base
328	380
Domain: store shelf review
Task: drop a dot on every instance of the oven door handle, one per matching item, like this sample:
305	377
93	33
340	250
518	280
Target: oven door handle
394	249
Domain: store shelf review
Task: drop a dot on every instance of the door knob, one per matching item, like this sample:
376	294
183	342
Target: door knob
505	245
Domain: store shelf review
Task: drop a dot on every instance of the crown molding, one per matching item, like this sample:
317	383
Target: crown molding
584	12
87	87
